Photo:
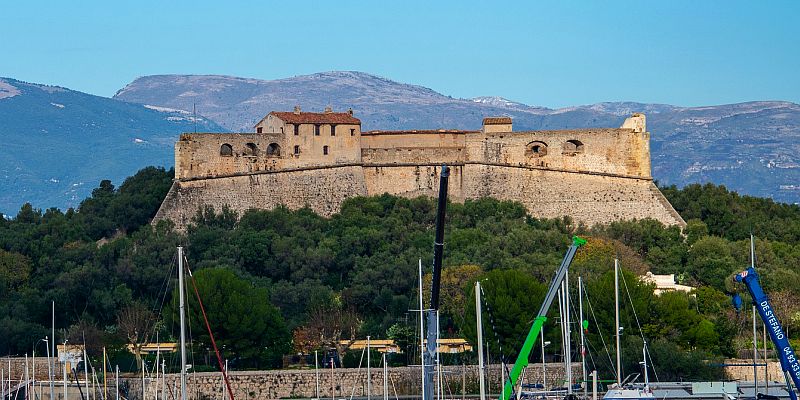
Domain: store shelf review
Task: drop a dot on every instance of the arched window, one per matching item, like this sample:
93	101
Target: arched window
273	150
325	150
226	150
572	147
296	149
536	149
250	149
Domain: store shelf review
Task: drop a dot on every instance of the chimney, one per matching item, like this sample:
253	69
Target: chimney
350	111
497	124
297	110
328	110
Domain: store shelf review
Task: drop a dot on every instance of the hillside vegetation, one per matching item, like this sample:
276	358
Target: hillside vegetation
280	282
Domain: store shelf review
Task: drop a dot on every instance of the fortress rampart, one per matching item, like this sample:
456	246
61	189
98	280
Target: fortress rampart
318	160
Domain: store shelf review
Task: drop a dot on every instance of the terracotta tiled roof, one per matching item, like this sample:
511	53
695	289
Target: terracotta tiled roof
316	118
496	121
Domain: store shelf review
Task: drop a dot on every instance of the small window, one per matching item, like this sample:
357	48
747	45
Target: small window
296	129
281	129
296	150
260	130
325	150
333	130
273	150
352	132
250	149
316	130
572	147
536	149
226	150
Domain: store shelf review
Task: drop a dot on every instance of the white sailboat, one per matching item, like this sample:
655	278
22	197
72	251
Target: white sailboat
624	390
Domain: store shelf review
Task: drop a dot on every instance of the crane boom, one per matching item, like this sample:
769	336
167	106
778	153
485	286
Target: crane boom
784	350
541	318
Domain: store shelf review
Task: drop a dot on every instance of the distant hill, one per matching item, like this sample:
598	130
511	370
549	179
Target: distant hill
59	143
753	148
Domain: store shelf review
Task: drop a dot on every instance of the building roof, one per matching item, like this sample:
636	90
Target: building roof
316	118
497	120
665	283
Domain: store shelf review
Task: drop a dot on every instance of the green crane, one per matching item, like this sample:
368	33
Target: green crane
541	318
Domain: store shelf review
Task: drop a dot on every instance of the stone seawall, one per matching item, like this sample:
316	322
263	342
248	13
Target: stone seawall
339	383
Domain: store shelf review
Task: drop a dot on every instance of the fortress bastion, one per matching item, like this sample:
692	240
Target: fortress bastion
298	159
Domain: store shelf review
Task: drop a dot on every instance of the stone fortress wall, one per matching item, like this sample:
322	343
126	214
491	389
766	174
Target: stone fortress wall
319	160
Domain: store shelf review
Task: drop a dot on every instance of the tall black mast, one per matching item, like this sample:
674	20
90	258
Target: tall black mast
429	358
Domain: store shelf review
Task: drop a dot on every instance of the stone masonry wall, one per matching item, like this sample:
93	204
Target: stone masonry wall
607	151
198	155
340	383
586	198
590	199
412	181
323	190
743	372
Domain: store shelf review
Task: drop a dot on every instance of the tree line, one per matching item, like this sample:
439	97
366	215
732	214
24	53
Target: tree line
276	282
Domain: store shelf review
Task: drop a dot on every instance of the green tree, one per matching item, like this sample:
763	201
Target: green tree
15	270
710	261
695	230
243	321
404	337
512	299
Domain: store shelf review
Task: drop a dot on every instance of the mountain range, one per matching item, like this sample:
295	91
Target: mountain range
61	142
753	148
58	144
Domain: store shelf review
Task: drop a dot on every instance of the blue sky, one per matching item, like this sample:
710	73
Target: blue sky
554	54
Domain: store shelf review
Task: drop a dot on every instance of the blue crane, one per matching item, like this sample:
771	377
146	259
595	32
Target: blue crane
784	350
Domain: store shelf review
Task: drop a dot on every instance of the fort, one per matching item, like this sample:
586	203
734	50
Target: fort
318	160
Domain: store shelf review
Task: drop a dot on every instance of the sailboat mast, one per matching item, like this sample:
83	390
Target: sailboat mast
85	370
755	340
421	330
644	358
479	322
385	378
561	320
568	330
616	319
316	372
583	339
51	363
183	323
431	358
65	367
